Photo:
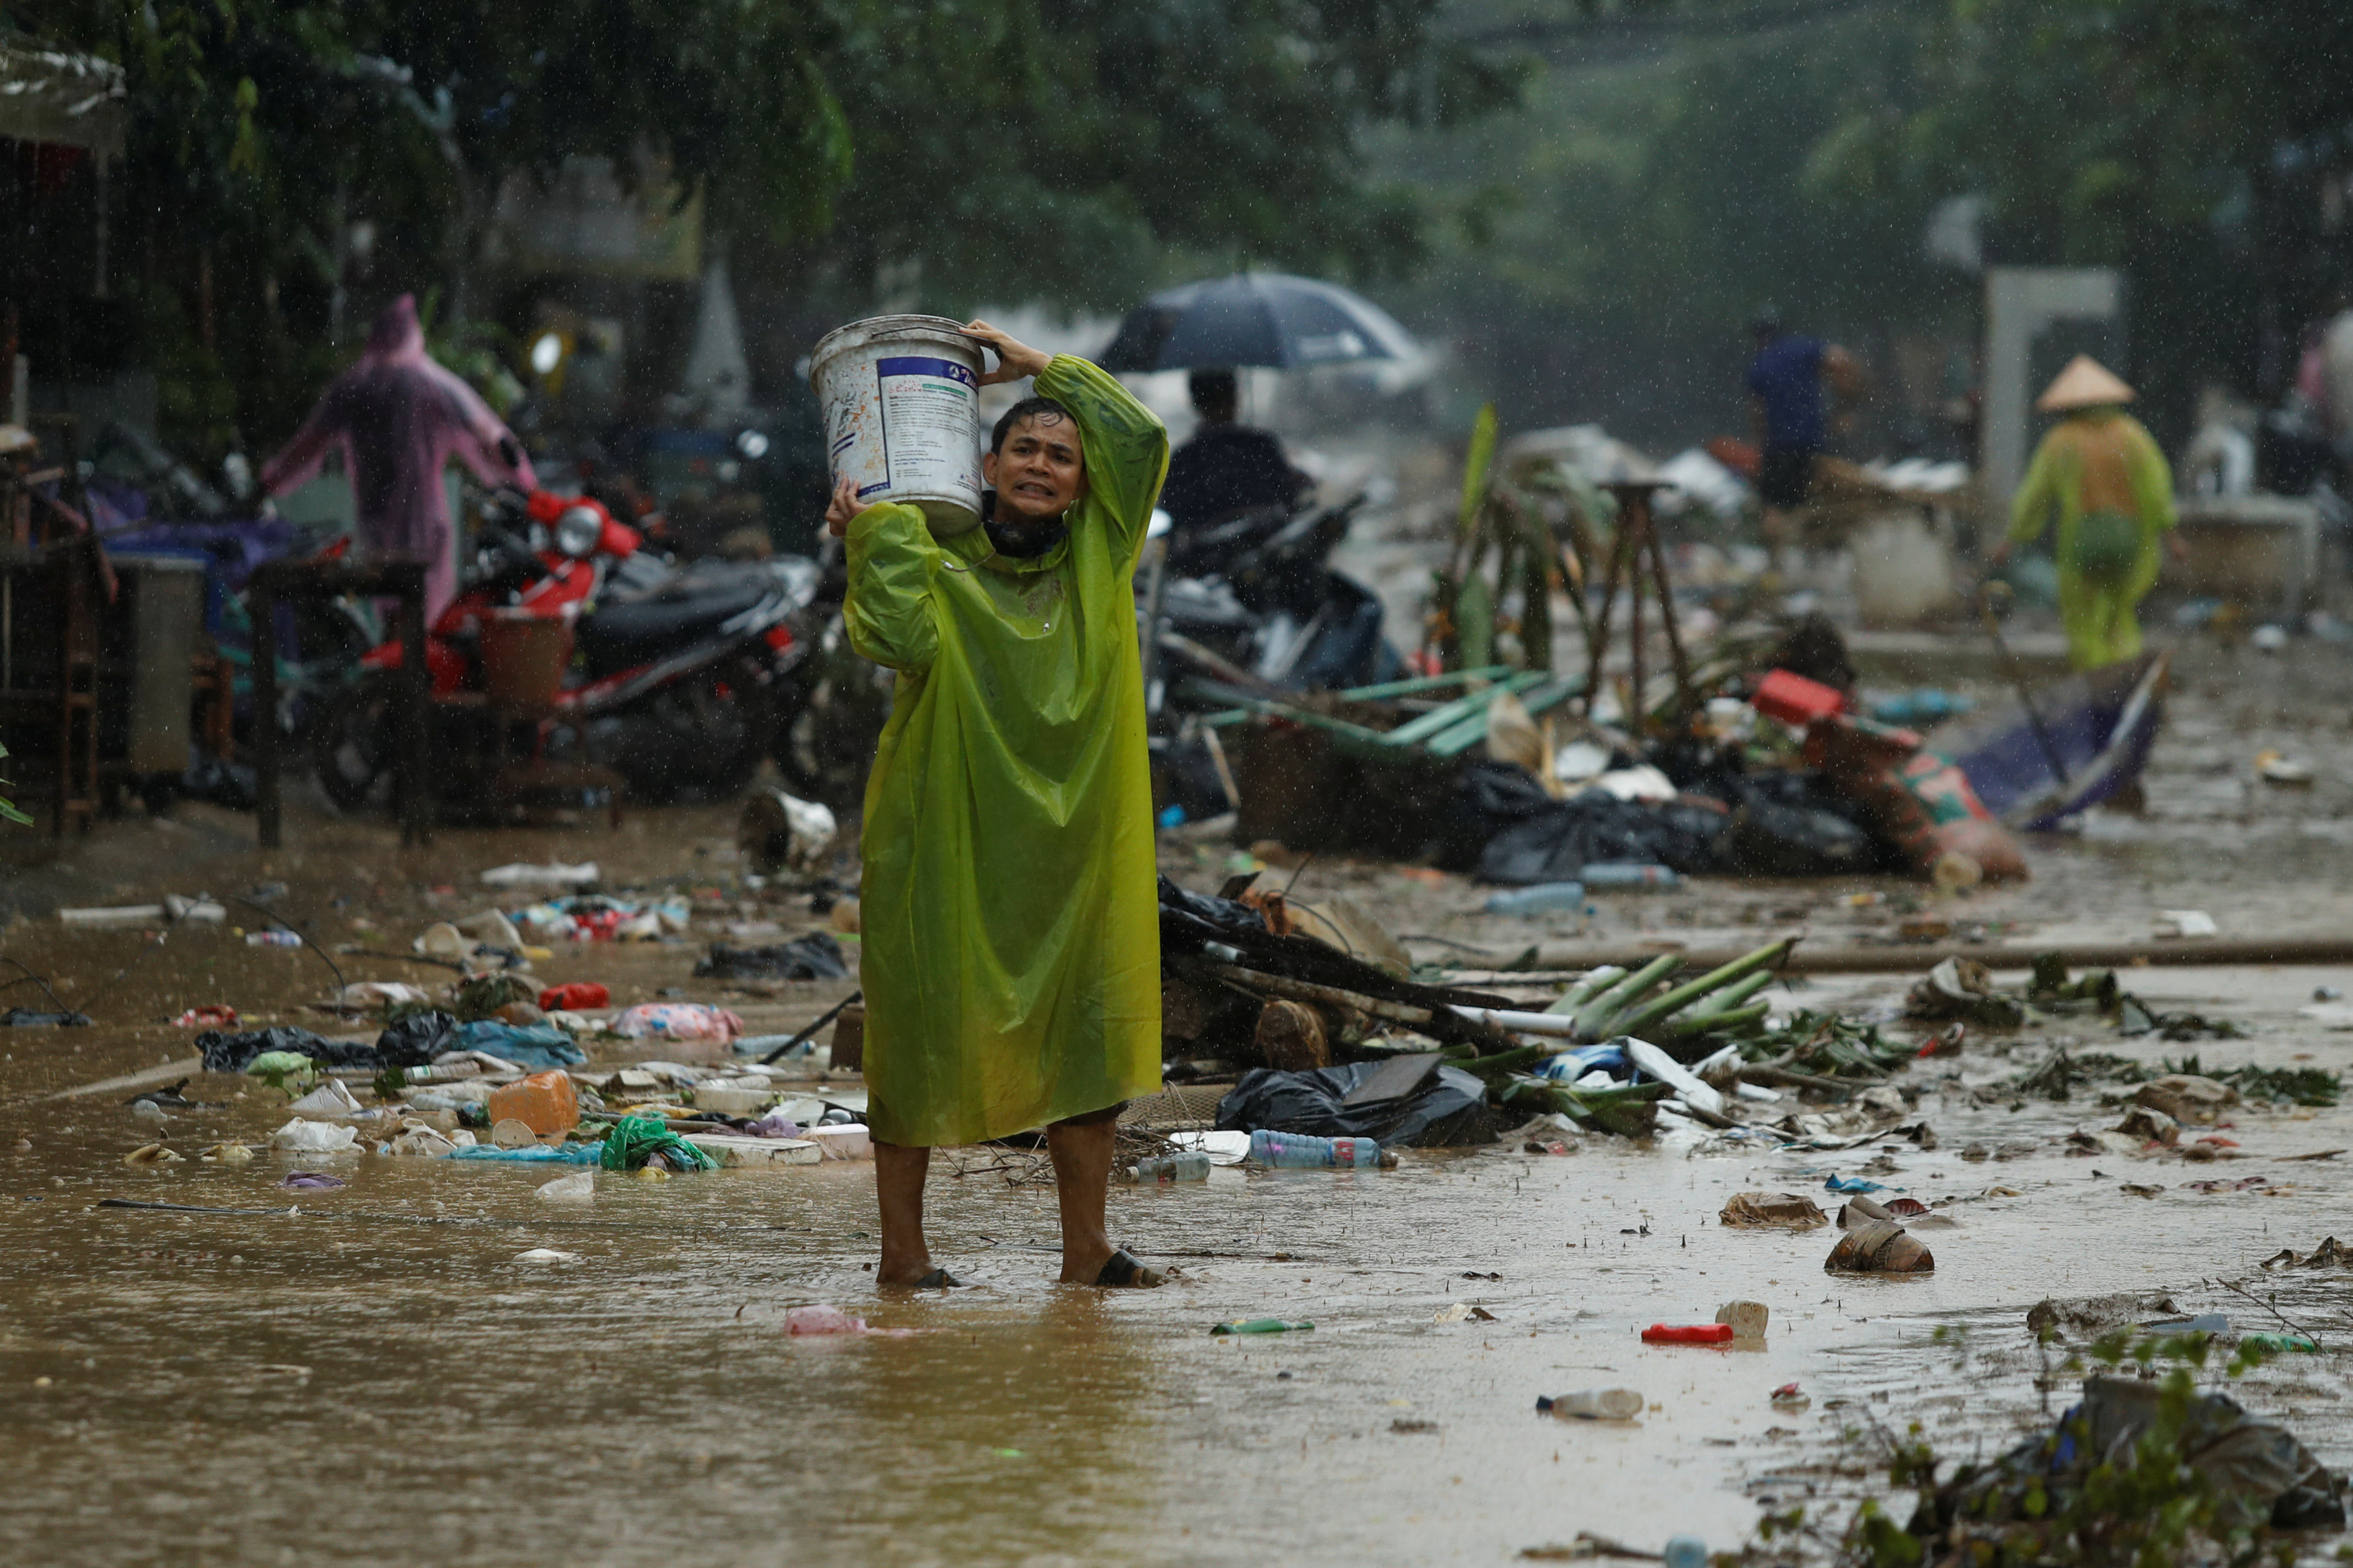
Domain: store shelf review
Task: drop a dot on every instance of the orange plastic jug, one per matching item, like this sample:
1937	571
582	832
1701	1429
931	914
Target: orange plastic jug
544	1102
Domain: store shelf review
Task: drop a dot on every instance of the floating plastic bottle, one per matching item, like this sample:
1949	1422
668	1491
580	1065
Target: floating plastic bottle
1187	1167
1628	874
1544	897
1594	1404
1301	1150
1261	1326
272	938
2203	1324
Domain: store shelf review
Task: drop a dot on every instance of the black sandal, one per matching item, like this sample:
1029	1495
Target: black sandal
937	1279
1121	1271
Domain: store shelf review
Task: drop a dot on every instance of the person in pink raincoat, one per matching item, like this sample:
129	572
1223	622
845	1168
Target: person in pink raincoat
399	417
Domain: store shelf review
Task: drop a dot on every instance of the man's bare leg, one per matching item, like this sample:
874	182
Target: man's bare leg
1082	1150
899	1173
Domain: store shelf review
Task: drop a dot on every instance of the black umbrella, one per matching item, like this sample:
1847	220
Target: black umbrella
1255	318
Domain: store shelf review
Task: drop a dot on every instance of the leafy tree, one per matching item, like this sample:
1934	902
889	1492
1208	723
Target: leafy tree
1031	148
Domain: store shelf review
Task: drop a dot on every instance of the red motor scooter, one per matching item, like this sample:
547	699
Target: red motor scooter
673	678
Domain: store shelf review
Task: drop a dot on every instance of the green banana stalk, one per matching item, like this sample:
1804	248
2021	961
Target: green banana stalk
1641	1018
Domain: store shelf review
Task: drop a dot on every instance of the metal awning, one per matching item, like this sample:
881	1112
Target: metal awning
75	99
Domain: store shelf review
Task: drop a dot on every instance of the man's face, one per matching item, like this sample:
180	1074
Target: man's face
1040	471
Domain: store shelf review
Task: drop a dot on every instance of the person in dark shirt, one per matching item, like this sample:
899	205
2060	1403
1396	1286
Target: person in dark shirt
1785	380
1225	468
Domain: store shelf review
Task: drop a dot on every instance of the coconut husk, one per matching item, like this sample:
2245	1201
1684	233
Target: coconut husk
1878	1247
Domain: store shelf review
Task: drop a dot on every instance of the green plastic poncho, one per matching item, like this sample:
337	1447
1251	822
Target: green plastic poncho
2101	471
1011	939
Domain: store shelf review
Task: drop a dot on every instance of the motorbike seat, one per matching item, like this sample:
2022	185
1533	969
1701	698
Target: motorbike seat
636	631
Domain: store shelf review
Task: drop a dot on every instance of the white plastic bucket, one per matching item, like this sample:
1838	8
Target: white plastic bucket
900	396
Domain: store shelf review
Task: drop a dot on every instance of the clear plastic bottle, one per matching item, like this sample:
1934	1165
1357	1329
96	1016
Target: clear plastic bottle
1190	1166
272	938
1627	874
1686	1552
1300	1150
1544	897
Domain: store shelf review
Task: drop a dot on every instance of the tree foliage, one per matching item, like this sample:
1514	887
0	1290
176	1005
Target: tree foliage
994	148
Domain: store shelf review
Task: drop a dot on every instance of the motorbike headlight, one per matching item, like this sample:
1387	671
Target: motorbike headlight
577	531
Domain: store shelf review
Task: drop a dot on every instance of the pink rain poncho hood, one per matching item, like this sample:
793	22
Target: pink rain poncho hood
399	419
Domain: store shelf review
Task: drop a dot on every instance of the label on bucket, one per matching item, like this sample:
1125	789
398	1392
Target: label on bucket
926	408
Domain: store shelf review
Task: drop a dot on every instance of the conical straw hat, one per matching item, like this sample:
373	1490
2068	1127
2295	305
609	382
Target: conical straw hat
2084	383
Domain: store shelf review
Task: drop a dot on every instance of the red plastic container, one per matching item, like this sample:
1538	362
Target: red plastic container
577	996
1794	700
1687	1334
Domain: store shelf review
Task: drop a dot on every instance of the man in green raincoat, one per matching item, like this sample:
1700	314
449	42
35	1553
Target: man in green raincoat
2102	472
1011	939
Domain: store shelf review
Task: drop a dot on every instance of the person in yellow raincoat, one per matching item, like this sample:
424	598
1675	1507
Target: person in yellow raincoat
1010	926
2102	472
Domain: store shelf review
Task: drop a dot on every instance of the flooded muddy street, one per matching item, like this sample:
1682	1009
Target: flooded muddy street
376	1371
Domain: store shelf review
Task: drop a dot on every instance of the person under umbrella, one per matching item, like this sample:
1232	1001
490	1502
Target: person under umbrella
1227	466
399	417
2101	472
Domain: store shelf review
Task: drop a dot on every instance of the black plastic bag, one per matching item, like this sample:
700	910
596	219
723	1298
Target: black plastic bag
413	1041
1447	1108
1555	845
225	1052
813	957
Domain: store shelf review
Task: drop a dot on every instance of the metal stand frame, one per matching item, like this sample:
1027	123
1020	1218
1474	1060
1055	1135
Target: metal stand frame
402	580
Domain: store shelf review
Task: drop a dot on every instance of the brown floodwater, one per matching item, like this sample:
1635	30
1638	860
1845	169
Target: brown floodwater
370	1371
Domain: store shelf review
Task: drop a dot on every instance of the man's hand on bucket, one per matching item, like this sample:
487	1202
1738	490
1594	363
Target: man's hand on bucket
1014	358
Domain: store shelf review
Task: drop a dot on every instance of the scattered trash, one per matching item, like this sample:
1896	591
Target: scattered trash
2275	768
637	1143
1261	1326
822	1320
117	915
1746	1320
2329	1254
310	1181
577	996
1192	1167
554	874
151	1154
331	1101
1592	1405
545	1102
677	1021
2186	923
2188	1099
816	956
580	1187
1963	988
548	1253
1879	1247
1688	1334
302	1137
1789	1396
1544	897
212	1016
2203	1324
1778	1211
779	832
1426	1104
